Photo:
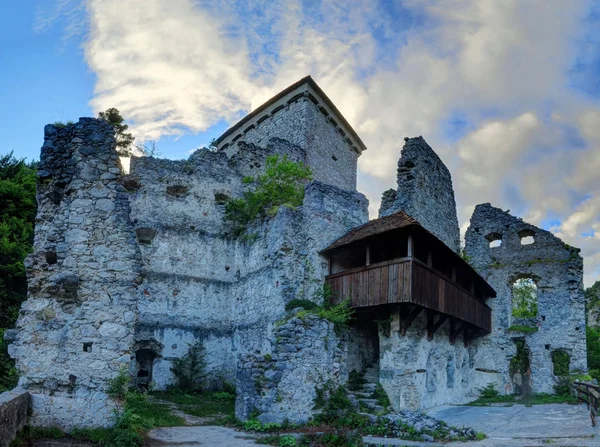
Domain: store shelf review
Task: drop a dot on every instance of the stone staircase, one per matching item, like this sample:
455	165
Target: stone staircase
363	398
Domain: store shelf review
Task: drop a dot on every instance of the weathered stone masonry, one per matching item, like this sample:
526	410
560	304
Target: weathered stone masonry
116	284
76	329
557	270
127	271
424	192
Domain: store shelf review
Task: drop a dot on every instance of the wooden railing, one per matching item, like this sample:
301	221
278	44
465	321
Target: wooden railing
408	280
589	394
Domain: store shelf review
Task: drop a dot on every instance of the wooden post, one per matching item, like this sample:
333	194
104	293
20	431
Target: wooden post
410	246
368	256
453	274
429	260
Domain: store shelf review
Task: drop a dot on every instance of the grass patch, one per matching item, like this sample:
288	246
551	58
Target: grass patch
219	404
534	399
522	328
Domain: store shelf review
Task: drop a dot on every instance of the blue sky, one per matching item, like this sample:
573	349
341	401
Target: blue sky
508	93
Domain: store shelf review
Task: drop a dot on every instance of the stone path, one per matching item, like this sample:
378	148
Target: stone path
515	426
199	437
518	425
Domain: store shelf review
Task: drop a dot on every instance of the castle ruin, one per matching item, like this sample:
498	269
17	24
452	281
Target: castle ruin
129	270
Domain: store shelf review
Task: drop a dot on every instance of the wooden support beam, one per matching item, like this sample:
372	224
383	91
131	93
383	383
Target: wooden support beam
429	260
368	255
453	275
469	334
409	318
455	329
432	324
411	246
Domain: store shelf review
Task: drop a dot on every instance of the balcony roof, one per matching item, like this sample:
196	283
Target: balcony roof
393	222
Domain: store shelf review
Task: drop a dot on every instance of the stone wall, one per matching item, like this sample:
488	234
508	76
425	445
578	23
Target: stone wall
307	354
557	270
424	192
76	329
127	271
420	373
200	282
14	407
302	123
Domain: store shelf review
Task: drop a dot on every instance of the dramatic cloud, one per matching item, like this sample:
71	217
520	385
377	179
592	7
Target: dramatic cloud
501	90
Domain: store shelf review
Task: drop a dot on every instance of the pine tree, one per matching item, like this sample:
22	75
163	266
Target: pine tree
124	139
189	370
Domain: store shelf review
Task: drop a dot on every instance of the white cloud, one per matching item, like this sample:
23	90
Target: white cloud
174	66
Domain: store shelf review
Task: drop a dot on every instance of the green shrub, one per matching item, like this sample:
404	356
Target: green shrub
189	370
282	184
488	392
561	361
304	304
119	386
563	386
223	395
355	380
381	396
522	328
340	314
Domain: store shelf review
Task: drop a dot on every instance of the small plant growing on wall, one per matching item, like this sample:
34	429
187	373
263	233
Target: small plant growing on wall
189	370
282	184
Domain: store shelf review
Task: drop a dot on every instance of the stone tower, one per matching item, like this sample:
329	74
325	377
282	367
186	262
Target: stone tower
424	192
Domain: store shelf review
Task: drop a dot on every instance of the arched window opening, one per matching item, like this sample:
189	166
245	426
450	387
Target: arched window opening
524	298
495	239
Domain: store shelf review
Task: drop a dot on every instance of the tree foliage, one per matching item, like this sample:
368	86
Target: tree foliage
124	139
525	298
189	370
282	184
17	215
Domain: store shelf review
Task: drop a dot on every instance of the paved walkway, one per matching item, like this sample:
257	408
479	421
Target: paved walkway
515	426
518	425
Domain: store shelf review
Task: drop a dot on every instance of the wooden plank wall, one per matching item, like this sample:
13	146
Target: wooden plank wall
408	281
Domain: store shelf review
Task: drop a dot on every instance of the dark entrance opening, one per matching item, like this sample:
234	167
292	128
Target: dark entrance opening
520	369
363	350
145	360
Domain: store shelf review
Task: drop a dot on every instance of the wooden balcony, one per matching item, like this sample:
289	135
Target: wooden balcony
410	281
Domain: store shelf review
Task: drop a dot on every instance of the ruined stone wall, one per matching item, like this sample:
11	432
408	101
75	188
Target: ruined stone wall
76	329
202	283
307	354
301	122
424	192
420	373
14	407
557	270
143	264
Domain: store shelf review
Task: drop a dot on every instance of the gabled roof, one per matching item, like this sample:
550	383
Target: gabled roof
376	226
302	85
392	222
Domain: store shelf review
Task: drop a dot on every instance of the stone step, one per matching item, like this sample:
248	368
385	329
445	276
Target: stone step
360	394
369	387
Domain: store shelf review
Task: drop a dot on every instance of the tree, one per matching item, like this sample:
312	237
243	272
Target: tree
17	215
124	139
189	370
525	298
149	149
